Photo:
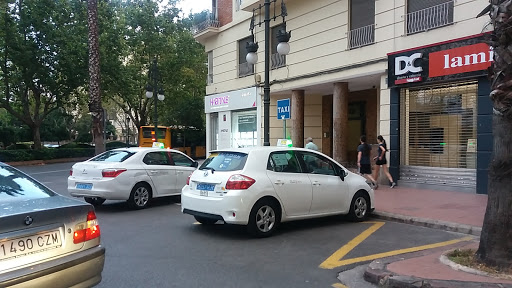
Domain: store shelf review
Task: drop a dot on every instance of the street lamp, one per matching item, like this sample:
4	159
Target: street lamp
127	131
283	48
151	89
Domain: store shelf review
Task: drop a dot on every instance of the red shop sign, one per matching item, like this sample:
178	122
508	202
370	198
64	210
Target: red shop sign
469	58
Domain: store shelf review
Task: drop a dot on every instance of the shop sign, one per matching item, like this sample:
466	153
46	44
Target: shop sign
233	100
460	58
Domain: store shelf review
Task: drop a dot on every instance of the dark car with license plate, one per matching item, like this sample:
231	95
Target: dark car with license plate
46	240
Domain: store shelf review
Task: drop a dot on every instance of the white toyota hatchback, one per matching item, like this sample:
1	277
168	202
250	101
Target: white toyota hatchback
263	186
133	174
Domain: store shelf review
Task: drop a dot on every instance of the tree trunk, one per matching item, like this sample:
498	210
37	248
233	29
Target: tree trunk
36	135
95	106
496	239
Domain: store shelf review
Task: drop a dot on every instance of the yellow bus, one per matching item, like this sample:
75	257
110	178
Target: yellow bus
171	138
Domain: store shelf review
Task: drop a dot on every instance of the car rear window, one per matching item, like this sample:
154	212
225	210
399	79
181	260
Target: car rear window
14	186
113	156
225	161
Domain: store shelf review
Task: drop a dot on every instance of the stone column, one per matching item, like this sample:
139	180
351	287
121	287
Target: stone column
340	122
297	118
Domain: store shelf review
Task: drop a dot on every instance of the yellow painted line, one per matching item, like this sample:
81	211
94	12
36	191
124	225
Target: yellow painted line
334	259
338	285
334	264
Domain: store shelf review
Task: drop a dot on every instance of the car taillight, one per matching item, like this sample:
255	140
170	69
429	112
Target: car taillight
112	172
239	182
88	230
71	172
188	179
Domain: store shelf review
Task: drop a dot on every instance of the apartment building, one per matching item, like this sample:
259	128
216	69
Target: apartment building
413	71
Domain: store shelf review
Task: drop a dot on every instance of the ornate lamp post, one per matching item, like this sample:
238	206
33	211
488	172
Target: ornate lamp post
151	89
283	48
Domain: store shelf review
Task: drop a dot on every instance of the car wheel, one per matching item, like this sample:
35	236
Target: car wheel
140	196
95	201
360	207
205	220
264	218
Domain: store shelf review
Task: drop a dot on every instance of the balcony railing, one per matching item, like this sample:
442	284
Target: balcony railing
245	69
210	22
361	36
277	60
430	18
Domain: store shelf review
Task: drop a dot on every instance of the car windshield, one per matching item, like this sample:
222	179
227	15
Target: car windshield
113	156
15	186
225	161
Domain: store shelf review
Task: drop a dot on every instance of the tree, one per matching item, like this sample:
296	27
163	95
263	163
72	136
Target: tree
57	126
496	239
42	51
95	106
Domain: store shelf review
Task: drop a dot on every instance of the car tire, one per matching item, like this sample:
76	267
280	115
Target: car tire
359	207
264	219
140	196
95	201
205	220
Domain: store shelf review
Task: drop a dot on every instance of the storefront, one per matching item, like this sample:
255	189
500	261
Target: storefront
441	115
232	119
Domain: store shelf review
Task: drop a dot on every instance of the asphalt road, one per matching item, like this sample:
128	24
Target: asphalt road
161	247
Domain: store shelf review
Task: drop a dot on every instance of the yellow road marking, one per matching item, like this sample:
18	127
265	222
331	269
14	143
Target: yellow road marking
338	285
333	260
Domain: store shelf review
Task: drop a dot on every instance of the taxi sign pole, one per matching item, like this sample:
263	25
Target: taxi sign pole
284	125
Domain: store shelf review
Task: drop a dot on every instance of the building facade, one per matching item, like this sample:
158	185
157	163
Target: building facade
401	69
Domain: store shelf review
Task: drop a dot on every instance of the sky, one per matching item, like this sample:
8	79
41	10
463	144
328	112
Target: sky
195	5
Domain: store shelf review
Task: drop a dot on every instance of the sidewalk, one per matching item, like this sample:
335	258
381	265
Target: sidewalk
452	211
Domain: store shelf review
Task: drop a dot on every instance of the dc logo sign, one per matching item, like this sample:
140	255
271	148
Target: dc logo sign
406	64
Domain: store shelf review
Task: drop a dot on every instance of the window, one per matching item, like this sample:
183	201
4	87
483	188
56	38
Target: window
181	160
244	68
362	23
318	165
225	161
284	161
209	80
113	156
276	60
146	132
16	186
156	158
244	129
423	15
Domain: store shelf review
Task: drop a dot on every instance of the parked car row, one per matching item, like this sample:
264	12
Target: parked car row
48	240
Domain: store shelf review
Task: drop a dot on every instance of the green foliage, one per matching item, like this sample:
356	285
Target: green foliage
56	126
44	154
117	144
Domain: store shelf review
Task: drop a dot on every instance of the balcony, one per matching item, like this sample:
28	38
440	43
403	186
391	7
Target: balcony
249	5
277	61
430	18
360	37
206	28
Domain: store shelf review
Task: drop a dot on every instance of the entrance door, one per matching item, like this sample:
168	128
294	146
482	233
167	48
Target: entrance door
356	127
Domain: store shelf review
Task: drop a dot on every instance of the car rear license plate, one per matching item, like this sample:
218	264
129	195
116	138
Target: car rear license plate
86	186
205	187
23	246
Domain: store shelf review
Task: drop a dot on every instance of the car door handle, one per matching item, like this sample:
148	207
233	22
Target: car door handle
279	182
316	183
153	171
179	172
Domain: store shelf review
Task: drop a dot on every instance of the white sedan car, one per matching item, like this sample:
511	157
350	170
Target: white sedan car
263	186
133	174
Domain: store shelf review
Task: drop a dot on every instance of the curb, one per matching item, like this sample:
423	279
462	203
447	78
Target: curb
43	162
430	223
376	273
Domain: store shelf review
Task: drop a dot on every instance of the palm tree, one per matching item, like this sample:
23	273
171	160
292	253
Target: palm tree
95	107
496	239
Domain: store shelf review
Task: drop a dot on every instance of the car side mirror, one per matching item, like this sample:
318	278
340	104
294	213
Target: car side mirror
343	174
195	164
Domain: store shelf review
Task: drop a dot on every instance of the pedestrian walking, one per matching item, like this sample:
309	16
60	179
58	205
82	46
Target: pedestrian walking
363	161
311	145
380	161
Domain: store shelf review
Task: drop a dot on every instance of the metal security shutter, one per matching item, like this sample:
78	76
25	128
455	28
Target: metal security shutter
438	126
